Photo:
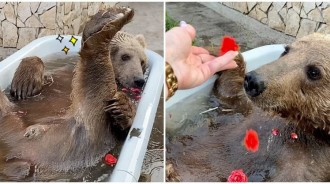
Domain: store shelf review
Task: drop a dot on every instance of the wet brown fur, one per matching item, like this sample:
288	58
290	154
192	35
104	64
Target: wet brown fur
289	91
78	140
133	47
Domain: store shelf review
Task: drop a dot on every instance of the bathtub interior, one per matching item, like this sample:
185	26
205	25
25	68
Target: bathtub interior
130	161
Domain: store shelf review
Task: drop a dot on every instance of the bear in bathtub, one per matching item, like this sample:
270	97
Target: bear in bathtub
286	102
68	146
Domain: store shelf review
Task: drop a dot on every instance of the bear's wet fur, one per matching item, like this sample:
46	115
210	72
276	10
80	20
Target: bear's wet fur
80	139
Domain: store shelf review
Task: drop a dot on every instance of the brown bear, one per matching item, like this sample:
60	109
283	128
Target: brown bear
286	102
71	144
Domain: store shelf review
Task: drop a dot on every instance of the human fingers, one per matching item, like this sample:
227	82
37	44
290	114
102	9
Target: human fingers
219	63
230	65
199	50
187	27
206	57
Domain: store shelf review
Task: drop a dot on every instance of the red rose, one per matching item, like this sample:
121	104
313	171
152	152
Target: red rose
237	176
110	159
228	43
251	140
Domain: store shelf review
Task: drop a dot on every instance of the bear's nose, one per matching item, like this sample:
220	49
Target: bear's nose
253	84
139	82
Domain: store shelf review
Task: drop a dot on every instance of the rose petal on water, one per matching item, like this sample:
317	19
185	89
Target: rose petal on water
275	131
251	140
110	159
294	135
237	176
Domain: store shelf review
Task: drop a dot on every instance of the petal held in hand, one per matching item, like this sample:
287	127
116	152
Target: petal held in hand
228	44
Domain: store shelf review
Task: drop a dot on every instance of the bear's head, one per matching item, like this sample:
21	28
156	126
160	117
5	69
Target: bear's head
129	59
297	85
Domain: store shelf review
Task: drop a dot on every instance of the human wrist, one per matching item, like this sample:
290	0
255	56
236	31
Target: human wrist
171	80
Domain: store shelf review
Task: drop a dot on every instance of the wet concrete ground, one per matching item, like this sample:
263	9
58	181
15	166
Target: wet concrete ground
211	26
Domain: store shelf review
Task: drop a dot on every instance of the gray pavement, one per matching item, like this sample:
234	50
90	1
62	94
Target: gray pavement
149	21
214	21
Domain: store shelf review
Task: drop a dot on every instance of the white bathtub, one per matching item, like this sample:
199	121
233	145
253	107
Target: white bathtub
130	161
254	59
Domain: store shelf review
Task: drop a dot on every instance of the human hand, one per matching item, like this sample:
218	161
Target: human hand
193	65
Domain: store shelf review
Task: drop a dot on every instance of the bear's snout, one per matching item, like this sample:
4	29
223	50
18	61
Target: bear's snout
139	82
254	85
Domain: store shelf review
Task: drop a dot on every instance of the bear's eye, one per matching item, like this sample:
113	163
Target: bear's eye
313	73
125	57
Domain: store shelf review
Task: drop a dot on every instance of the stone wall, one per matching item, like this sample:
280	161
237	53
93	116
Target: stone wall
23	22
292	18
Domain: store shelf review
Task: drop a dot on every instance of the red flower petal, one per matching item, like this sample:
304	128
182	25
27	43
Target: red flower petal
228	43
237	176
110	159
136	90
137	97
275	131
251	140
294	135
124	90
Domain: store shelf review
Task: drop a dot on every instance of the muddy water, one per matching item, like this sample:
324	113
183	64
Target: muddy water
194	142
54	101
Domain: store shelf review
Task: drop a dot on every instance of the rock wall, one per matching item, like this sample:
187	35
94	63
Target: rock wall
292	18
21	23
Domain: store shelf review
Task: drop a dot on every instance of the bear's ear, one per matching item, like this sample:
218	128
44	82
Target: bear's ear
140	38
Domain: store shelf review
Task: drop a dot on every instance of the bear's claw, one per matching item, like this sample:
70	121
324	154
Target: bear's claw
28	78
111	21
121	110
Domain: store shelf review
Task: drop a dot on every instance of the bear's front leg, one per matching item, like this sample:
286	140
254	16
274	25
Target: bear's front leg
229	88
121	110
28	78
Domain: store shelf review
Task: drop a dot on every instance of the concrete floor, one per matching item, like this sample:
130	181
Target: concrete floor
149	21
212	25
